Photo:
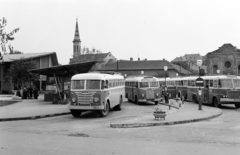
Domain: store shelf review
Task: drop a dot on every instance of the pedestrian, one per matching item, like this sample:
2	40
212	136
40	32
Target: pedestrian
24	93
30	92
35	93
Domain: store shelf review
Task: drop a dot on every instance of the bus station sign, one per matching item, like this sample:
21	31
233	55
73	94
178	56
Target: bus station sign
199	82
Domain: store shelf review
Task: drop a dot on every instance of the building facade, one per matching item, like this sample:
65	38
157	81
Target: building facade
226	59
42	60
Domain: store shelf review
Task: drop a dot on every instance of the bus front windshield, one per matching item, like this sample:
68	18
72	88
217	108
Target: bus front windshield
93	84
226	83
154	84
77	84
144	84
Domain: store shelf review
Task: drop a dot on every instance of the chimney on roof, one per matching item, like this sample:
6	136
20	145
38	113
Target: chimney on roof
138	59
145	59
131	59
163	58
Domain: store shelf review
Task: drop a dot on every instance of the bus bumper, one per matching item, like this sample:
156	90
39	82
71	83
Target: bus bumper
149	100
79	107
229	100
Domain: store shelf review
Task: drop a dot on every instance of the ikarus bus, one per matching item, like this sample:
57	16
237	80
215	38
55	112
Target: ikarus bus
143	89
217	89
96	92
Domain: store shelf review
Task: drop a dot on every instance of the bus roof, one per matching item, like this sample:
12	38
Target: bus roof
203	77
140	78
96	76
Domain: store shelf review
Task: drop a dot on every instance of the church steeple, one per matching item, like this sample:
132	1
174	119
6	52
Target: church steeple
76	42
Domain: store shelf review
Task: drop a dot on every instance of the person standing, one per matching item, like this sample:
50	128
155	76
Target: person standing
35	93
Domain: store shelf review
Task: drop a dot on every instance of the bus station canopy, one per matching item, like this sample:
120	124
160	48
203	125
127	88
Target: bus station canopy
65	70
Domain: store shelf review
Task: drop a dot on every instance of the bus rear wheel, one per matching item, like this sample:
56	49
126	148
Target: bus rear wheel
104	113
237	105
216	102
76	113
119	106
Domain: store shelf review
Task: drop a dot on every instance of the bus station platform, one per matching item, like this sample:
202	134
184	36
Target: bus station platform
133	115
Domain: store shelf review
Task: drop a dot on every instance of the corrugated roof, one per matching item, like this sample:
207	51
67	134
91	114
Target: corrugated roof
12	57
89	57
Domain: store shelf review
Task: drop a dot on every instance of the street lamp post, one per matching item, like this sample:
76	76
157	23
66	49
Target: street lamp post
199	64
165	69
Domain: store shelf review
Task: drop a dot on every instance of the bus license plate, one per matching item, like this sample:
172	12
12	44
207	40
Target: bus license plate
94	107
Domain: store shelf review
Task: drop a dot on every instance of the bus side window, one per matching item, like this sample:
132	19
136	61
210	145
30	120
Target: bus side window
103	84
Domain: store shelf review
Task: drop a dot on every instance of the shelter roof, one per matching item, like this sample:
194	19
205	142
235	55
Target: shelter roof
13	57
66	70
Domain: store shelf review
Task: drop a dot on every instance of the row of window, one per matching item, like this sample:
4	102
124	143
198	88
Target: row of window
115	83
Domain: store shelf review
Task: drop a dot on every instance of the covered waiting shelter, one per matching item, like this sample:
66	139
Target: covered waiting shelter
65	72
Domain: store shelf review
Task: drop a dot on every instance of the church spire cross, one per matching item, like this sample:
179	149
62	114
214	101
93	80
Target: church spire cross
76	36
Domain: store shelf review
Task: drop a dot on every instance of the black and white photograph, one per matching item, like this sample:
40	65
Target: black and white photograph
119	77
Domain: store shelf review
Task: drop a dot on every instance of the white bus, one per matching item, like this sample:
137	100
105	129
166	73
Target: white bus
143	89
96	92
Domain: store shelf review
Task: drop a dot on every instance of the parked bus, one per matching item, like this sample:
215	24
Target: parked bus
96	92
217	90
142	89
176	87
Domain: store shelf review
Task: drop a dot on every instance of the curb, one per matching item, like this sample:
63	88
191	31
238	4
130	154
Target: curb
135	125
33	117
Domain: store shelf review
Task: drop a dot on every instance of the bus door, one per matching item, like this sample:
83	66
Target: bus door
206	92
132	94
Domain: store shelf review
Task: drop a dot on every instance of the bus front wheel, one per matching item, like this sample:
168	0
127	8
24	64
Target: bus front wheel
216	102
104	113
76	113
136	100
237	105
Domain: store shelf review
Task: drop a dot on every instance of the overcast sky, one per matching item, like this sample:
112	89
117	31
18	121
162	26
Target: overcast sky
152	29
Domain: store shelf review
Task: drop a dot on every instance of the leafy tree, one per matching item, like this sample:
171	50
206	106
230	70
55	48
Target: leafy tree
18	71
5	37
183	64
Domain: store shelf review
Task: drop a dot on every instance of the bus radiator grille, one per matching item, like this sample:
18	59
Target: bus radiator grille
150	94
234	94
85	98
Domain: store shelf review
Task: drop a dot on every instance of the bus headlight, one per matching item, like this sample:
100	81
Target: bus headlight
96	99
73	99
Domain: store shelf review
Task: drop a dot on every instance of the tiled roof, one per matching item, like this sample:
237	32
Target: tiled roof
144	65
180	69
225	46
12	57
138	65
